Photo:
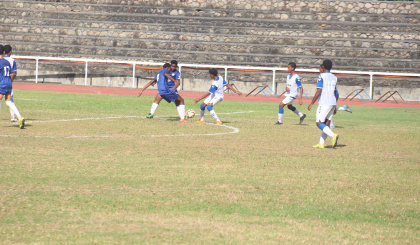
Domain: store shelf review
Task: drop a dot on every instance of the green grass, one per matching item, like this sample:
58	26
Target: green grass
132	180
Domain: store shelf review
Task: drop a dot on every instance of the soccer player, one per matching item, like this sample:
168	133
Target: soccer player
167	90
7	54
175	74
6	86
293	84
216	93
326	88
343	108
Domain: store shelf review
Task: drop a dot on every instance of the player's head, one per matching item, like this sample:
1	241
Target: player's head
7	49
321	69
174	65
166	66
213	72
1	49
327	64
291	66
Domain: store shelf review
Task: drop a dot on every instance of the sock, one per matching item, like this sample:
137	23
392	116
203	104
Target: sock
202	110
326	129
341	109
213	113
296	111
12	106
181	111
153	109
331	124
322	138
281	111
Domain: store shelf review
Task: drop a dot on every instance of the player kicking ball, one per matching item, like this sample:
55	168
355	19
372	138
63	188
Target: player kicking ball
167	90
293	84
326	92
216	93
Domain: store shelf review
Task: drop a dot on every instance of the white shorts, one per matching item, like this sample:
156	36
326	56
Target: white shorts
213	100
288	100
324	112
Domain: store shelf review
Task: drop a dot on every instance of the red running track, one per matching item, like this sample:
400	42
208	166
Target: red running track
191	95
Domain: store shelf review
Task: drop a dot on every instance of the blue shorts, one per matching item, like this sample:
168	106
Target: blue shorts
5	90
169	97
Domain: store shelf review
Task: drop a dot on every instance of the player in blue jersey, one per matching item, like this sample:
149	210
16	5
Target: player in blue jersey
7	54
175	74
167	90
326	92
293	85
216	93
6	86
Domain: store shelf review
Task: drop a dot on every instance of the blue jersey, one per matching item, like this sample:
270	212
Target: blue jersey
175	75
12	63
163	85
5	71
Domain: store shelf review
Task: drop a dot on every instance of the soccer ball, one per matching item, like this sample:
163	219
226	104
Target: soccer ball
190	113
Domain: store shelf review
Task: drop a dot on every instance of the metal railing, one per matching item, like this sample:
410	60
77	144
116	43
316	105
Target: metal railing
225	67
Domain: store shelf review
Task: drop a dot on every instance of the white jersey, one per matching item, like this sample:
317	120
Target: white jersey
217	89
327	82
293	83
12	63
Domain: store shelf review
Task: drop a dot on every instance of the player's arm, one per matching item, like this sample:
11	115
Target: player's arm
173	80
336	99
300	95
315	98
13	75
234	90
151	83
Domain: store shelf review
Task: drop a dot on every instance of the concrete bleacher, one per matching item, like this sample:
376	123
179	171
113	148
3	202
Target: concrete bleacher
368	38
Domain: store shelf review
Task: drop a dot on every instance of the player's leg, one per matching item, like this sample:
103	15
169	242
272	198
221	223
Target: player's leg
12	114
12	106
202	111
180	106
280	114
323	114
155	105
210	106
297	112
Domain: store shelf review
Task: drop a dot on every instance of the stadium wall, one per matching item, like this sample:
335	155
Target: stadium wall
356	35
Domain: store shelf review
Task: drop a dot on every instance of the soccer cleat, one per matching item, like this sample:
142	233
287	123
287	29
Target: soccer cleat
150	116
347	108
13	120
334	140
333	126
219	122
21	123
278	123
199	121
302	118
318	146
183	120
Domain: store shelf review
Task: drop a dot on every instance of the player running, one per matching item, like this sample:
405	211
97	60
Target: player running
167	90
293	84
216	93
175	74
326	92
13	73
6	86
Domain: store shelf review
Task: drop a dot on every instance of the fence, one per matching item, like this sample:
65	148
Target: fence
135	64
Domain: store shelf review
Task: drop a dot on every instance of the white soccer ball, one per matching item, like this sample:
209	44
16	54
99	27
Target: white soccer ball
190	113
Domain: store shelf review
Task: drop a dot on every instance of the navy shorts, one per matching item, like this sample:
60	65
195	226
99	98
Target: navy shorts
5	90
169	97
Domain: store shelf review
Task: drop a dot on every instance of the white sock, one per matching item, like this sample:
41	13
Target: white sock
331	124
12	114
341	109
213	113
297	112
12	107
280	117
153	108
322	138
202	114
328	131
181	111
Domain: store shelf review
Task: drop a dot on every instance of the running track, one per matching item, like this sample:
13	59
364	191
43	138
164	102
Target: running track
191	95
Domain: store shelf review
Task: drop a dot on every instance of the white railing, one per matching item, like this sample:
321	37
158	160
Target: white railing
225	67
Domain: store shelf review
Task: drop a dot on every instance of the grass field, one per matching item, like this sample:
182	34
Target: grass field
92	169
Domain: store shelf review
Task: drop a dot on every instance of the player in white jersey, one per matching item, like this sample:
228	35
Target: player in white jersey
13	73
216	93
326	92
293	85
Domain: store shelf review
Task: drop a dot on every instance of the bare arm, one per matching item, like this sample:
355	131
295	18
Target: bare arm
316	96
234	90
151	83
13	76
202	97
300	95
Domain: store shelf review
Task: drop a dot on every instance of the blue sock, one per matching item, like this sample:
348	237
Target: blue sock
293	109
202	107
209	108
322	126
281	110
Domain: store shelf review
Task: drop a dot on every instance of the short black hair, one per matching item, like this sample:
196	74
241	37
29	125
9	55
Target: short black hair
7	49
166	65
174	62
292	64
1	49
213	71
327	64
